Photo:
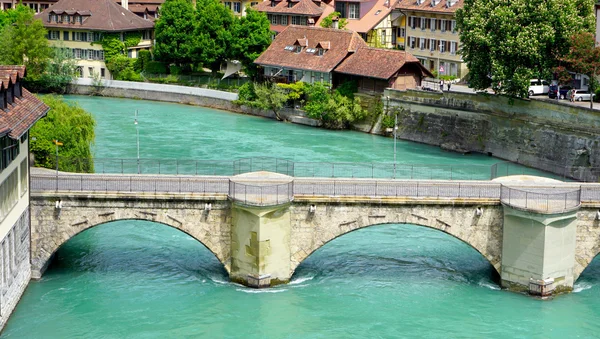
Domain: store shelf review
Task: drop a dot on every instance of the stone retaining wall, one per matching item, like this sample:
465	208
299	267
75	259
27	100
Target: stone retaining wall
530	132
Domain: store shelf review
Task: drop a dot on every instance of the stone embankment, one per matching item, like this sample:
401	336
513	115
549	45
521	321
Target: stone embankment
543	135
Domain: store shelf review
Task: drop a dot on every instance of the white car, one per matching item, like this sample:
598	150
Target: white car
538	87
581	95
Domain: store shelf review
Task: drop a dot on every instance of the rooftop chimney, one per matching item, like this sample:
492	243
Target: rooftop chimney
335	22
125	4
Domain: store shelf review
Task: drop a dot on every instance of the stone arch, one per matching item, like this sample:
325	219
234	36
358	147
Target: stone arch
588	240
51	229
482	233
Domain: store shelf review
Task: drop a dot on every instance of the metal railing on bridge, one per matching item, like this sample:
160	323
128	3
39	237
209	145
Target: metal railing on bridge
543	199
261	195
282	166
539	200
324	169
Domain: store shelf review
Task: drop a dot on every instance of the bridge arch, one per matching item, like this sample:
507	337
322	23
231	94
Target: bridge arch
481	232
52	228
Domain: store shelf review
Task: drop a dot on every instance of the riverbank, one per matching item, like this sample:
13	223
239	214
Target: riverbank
557	138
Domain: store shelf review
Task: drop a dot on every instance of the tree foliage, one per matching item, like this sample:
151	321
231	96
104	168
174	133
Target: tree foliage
251	36
584	57
23	40
327	21
69	124
271	97
173	32
507	43
210	34
333	108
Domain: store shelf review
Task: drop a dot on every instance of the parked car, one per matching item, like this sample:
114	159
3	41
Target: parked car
538	87
560	91
580	95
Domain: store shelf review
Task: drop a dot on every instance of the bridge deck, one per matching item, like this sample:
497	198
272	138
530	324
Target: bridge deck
549	199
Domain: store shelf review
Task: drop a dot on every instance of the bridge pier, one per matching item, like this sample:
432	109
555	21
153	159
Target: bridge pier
538	251
260	245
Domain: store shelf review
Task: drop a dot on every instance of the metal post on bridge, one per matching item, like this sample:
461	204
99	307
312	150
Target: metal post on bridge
137	136
57	143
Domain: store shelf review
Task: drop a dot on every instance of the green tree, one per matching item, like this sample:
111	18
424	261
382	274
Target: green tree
270	97
507	43
584	57
174	31
327	21
58	74
251	36
24	41
212	34
69	124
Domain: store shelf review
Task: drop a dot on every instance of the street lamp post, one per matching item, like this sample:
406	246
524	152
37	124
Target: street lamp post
137	137
57	143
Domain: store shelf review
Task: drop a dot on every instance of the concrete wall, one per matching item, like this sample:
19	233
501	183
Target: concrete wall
14	235
533	133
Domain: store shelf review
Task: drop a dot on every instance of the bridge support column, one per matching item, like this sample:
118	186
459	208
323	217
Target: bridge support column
538	251
260	245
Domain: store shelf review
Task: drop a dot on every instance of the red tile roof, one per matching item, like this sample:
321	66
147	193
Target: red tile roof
301	7
19	116
98	15
379	11
341	42
378	63
439	6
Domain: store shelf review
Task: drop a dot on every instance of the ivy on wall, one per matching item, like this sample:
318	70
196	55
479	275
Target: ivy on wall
115	54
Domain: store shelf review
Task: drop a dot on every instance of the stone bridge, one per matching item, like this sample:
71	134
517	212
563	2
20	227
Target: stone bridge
261	226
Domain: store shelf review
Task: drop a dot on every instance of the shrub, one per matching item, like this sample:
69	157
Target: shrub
155	67
348	89
144	57
175	70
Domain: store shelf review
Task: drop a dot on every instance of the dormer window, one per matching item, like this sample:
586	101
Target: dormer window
65	18
290	4
9	95
320	51
17	89
298	49
273	3
78	19
2	99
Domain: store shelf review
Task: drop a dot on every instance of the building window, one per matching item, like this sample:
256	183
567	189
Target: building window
453	26
237	7
78	19
146	35
442	46
274	19
432	43
383	37
54	35
422	43
284	20
353	11
453	47
91	72
401	32
102	73
298	49
432	24
80	71
10	150
411	42
66	35
290	4
320	52
443	25
411	22
340	7
65	18
84	53
228	4
91	54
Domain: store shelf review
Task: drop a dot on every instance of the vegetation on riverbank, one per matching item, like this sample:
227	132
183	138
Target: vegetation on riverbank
72	126
335	109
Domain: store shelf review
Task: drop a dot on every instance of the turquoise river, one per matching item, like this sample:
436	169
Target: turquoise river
134	279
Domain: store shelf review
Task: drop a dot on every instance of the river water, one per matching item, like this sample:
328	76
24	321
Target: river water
135	279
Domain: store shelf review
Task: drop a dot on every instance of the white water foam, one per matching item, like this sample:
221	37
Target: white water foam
581	287
265	290
300	280
489	285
